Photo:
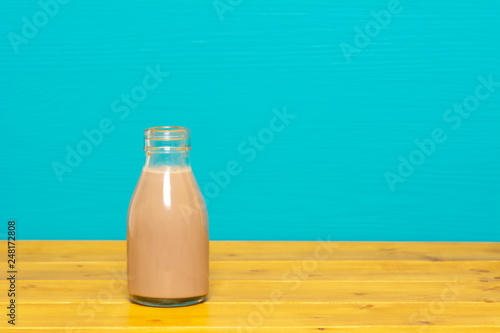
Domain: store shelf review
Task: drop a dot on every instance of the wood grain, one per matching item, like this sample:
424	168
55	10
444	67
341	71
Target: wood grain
307	291
269	287
344	329
66	251
285	270
268	315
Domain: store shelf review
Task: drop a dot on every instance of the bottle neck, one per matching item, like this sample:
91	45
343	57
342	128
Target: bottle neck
168	159
167	146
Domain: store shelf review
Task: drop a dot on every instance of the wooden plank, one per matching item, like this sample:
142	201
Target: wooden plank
67	251
112	291
73	316
283	270
419	251
316	329
260	329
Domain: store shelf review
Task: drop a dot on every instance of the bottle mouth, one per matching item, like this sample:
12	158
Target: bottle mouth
167	138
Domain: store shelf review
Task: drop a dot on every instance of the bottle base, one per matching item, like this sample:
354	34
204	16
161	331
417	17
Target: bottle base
167	302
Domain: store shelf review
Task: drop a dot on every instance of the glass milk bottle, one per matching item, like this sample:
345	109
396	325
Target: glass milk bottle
167	227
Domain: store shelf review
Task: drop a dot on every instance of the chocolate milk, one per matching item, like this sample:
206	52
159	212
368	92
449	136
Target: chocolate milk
167	237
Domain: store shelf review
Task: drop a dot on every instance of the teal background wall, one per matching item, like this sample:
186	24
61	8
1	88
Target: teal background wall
232	64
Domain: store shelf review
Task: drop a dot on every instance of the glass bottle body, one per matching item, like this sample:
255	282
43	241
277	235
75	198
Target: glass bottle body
167	229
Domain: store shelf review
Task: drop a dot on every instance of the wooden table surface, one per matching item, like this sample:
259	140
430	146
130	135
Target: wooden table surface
80	286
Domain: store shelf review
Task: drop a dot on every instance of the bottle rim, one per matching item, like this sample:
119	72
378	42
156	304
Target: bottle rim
167	133
158	138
